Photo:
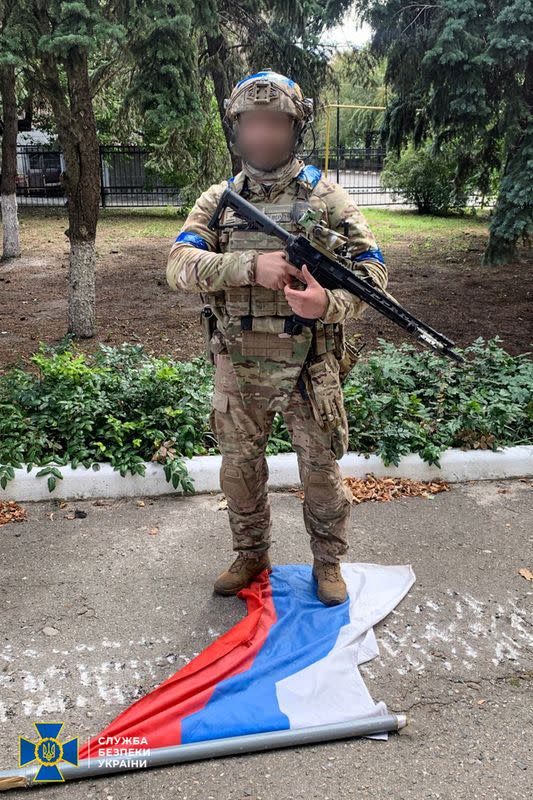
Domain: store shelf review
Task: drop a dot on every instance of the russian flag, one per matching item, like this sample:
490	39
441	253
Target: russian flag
291	662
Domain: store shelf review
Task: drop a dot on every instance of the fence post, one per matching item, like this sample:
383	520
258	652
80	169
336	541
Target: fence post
102	187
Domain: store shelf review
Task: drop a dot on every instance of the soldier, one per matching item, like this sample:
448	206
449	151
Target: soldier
260	369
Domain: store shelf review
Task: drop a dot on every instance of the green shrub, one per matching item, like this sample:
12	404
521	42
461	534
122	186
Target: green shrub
423	179
119	406
124	407
404	400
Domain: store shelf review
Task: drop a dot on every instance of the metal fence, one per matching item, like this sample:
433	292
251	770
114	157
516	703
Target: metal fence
358	170
125	180
39	175
128	181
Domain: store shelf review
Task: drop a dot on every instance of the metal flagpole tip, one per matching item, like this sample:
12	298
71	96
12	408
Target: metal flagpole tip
402	720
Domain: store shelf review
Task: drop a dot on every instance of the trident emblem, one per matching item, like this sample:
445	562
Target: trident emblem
48	752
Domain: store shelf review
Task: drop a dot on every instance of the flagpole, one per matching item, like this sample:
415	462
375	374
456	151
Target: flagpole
212	748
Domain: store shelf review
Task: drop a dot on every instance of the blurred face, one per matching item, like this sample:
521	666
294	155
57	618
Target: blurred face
265	137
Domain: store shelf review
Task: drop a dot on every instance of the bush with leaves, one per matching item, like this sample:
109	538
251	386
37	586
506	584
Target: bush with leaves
125	407
424	179
404	400
118	406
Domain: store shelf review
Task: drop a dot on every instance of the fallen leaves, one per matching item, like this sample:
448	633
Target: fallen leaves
385	489
10	511
526	573
473	440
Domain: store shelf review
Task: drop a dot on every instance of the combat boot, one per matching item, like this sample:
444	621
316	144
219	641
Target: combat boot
331	589
241	573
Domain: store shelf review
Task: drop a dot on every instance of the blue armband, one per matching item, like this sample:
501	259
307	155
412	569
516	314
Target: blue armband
309	173
193	238
372	253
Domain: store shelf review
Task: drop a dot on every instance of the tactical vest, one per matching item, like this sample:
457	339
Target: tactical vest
267	361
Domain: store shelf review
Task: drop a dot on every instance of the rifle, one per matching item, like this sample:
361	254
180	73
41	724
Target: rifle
329	270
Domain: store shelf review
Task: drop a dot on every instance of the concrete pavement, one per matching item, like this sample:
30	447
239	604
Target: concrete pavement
99	609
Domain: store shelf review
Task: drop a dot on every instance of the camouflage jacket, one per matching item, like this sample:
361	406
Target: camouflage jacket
195	263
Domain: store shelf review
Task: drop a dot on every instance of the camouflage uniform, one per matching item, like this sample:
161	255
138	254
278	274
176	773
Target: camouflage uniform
258	366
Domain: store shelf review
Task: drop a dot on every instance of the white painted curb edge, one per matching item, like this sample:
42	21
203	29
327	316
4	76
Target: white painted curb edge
81	483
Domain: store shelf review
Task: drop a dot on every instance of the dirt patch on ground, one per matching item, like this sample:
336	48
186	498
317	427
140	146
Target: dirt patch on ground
443	286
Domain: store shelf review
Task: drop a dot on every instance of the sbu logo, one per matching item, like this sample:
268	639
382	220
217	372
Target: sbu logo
48	752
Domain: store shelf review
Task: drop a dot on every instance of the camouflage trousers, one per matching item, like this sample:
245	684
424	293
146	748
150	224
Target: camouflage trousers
242	433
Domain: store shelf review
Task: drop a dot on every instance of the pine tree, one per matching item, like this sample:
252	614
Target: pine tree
52	43
463	70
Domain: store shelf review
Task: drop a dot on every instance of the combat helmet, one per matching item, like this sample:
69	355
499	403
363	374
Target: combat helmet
269	89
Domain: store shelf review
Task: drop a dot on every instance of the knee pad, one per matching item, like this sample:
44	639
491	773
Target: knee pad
240	491
322	486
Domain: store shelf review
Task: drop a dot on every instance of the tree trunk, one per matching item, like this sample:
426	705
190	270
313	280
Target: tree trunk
8	188
218	56
499	250
79	143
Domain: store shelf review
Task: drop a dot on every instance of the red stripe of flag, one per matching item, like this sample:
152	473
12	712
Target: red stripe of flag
157	715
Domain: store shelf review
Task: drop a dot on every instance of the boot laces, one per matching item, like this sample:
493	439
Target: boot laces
331	571
237	564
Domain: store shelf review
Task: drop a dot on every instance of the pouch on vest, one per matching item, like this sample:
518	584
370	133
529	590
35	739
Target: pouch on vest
267	361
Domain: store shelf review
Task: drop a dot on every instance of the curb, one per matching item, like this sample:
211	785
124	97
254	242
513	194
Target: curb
81	483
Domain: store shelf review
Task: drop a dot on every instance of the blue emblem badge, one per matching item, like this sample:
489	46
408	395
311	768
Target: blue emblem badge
48	752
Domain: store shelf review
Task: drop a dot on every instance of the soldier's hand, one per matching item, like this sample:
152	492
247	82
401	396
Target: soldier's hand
310	302
274	271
